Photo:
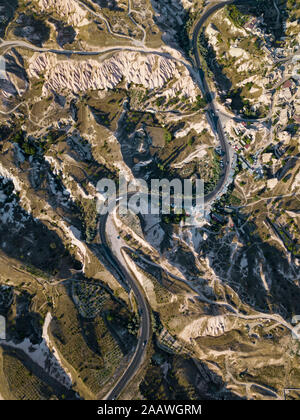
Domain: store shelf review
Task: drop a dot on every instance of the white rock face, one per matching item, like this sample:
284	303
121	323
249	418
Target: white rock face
213	326
284	136
212	34
238	52
271	183
197	155
296	183
193	126
68	10
152	71
266	157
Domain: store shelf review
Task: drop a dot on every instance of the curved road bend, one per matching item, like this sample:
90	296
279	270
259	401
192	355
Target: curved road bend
212	111
127	278
211	106
145	326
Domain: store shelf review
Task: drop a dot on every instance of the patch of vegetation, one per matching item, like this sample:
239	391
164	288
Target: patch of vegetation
236	16
160	101
200	103
23	384
174	218
168	136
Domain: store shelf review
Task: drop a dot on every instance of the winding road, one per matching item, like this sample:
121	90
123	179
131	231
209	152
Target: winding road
145	321
212	110
211	106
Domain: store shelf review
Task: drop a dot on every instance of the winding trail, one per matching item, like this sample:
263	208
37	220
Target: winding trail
100	16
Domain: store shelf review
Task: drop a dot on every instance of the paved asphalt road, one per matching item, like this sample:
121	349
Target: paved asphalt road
145	327
211	107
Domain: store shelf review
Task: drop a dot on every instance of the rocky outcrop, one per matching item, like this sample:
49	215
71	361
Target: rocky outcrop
13	80
68	10
152	71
